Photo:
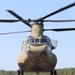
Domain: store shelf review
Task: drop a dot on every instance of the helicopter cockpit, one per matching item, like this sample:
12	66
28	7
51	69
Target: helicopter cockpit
32	40
44	40
38	42
42	44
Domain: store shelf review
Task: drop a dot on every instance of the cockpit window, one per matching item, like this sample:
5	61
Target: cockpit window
30	41
43	41
37	40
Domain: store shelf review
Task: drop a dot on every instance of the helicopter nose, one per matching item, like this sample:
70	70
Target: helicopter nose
38	50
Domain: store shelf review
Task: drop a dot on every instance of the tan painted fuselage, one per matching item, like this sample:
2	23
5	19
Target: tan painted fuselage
37	55
37	58
29	63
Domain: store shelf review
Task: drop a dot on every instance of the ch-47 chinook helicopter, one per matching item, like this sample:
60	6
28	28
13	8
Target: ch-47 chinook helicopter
37	48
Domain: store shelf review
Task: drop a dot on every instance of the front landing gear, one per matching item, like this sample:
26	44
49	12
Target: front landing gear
20	72
53	72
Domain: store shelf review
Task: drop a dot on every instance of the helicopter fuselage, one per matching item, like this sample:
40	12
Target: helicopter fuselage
37	49
37	53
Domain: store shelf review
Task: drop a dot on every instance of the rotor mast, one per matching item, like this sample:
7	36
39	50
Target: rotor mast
37	30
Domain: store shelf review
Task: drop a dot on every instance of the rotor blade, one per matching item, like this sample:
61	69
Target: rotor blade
58	20
57	11
14	32
20	18
10	21
61	29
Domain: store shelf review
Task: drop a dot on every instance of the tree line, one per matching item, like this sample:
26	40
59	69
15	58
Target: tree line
64	71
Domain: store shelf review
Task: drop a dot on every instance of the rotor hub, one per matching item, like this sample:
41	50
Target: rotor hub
37	30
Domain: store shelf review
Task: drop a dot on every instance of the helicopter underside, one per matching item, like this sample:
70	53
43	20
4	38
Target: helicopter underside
42	64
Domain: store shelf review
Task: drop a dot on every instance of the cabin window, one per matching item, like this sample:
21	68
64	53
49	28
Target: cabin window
30	41
43	40
37	40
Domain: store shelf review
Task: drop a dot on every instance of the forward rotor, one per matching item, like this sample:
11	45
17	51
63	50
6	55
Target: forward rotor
27	22
39	20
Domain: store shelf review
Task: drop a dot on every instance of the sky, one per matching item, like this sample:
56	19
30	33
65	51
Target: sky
10	45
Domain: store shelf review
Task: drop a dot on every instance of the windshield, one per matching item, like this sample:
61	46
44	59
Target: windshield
36	40
43	41
30	41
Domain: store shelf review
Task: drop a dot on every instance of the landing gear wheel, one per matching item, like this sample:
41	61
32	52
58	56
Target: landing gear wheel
20	72
53	72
